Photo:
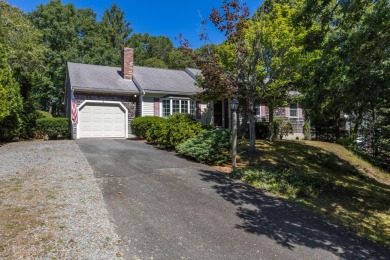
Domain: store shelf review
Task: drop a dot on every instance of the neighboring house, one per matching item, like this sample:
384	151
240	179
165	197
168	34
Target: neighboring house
108	98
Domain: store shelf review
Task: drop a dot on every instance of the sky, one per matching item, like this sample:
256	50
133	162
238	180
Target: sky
156	17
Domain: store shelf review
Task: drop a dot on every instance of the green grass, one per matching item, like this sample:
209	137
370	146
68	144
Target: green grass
326	177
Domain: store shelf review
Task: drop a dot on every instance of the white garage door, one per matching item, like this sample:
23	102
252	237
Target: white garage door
102	120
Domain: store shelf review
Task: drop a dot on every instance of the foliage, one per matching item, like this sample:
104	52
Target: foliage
360	197
286	182
383	123
351	77
140	125
158	51
347	142
262	130
174	130
156	131
26	56
115	28
74	35
147	46
261	60
179	61
155	63
10	101
280	128
211	147
54	128
44	114
307	130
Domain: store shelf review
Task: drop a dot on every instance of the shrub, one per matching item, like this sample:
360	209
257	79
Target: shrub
211	147
156	131
10	127
174	130
207	127
54	128
140	125
43	114
286	182
307	130
262	130
280	128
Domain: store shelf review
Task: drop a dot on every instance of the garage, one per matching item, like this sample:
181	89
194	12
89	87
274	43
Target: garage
102	119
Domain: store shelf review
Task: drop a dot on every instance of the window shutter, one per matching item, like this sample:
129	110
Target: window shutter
156	107
198	110
263	111
286	112
300	113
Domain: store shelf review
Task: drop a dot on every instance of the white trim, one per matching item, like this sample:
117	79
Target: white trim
189	100
104	102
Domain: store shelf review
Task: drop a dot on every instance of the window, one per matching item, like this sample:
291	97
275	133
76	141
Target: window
184	106
293	110
172	106
166	108
192	107
175	106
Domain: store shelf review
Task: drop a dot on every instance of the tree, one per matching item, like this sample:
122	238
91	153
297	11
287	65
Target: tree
74	35
155	63
259	61
230	70
10	100
353	71
178	60
150	47
283	59
26	57
115	27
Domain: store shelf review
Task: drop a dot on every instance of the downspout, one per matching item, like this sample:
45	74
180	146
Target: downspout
141	95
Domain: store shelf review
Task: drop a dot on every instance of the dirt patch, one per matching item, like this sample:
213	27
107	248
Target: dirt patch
50	204
24	210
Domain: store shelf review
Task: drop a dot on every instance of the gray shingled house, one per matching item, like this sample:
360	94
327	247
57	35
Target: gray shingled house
108	98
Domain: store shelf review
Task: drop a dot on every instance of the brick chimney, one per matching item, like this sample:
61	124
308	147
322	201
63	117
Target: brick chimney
127	63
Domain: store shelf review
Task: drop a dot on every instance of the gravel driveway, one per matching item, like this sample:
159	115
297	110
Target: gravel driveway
51	205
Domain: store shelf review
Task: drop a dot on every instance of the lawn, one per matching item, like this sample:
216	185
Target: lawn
326	177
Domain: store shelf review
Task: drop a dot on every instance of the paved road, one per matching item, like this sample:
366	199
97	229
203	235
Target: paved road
165	207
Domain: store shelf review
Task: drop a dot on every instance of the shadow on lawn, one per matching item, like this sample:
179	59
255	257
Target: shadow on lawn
290	225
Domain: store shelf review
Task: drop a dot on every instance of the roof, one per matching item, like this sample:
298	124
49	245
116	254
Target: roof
99	78
150	80
193	72
156	80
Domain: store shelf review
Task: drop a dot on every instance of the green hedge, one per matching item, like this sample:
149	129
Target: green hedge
173	130
43	114
140	125
54	128
211	147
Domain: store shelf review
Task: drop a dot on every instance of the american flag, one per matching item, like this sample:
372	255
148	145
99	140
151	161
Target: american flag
75	111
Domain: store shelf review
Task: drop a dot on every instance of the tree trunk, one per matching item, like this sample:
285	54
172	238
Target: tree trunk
271	120
252	126
252	133
337	130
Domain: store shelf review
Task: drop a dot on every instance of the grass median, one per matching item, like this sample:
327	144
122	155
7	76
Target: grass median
326	177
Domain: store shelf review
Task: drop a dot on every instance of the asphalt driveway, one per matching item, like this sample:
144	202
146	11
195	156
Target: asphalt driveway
166	207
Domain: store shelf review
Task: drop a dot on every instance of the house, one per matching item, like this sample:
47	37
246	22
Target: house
108	98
